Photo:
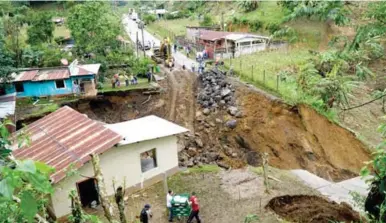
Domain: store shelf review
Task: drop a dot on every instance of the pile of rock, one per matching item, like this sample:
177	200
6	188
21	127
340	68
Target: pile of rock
196	152
217	93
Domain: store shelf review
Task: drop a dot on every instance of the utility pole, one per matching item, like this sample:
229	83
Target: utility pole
141	26
222	21
136	43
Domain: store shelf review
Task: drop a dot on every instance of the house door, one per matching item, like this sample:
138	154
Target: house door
88	191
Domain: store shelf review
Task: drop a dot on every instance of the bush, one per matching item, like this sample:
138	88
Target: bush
178	15
149	18
235	20
207	21
272	27
243	21
255	25
99	86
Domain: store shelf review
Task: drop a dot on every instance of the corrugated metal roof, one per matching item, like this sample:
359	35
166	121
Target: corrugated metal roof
212	35
7	105
26	75
146	128
55	73
238	36
66	137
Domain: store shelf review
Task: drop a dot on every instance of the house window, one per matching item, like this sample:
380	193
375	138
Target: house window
148	160
59	84
19	87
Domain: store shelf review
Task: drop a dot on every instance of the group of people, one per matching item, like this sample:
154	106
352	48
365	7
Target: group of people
146	214
132	79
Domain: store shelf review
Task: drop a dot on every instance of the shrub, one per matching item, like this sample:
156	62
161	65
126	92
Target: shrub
99	86
255	25
235	20
149	18
244	21
207	21
272	27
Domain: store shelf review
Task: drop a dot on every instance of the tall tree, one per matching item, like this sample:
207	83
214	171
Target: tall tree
41	29
6	61
93	26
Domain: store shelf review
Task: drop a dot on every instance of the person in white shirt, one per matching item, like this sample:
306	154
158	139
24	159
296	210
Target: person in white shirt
169	198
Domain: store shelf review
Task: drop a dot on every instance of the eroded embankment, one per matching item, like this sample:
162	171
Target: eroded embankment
294	137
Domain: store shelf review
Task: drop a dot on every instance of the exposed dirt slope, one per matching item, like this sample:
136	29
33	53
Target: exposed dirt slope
312	209
293	137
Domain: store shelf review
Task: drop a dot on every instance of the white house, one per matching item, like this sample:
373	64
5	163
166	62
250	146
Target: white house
140	151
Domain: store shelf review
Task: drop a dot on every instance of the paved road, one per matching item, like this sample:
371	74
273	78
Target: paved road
131	28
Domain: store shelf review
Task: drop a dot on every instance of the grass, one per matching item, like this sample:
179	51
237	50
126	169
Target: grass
142	84
204	169
267	12
44	109
61	31
262	68
169	28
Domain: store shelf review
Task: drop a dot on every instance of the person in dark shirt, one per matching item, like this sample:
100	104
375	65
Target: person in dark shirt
145	214
193	201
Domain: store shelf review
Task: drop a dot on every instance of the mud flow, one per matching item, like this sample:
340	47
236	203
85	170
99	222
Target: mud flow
311	209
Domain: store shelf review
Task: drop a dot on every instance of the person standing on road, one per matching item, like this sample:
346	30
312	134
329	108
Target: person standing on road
193	67
175	48
169	198
195	208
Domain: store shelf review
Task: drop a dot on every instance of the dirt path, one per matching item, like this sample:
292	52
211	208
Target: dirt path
181	100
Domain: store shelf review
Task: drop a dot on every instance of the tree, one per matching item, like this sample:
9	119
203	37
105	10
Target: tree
24	184
41	29
105	202
248	5
94	27
207	21
323	10
6	61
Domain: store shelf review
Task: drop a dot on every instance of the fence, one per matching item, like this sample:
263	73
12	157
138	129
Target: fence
257	74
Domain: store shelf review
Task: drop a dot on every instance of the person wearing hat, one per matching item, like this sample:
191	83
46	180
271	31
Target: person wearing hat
145	214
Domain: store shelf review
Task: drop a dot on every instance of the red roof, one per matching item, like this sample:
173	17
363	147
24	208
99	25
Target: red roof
66	137
212	35
44	74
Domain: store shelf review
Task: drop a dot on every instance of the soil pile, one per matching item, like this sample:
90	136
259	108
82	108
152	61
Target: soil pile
311	209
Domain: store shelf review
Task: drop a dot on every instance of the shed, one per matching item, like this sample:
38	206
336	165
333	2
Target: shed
140	151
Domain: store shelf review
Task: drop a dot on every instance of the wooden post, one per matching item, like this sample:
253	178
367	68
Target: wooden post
264	76
277	82
265	163
165	181
240	65
253	79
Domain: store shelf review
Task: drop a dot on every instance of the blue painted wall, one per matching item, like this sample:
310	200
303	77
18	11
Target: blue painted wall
46	88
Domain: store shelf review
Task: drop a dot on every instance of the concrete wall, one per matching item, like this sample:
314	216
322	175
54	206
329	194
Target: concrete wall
46	88
117	163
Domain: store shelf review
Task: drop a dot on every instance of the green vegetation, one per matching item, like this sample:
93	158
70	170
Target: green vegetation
207	20
142	84
24	185
170	28
41	29
204	169
93	28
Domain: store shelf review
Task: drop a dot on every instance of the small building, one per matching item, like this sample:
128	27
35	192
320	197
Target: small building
140	151
192	32
229	44
55	81
160	13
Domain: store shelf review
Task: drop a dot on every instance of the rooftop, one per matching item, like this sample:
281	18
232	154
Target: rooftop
63	138
54	73
7	105
215	35
146	128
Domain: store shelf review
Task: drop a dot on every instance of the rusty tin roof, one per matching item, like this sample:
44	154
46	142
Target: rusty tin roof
66	137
